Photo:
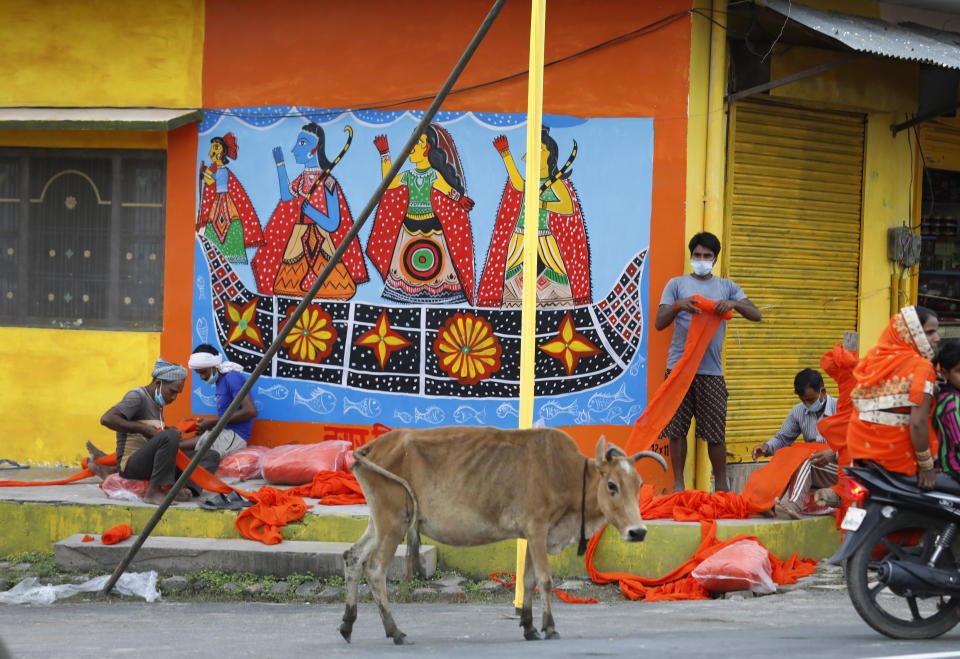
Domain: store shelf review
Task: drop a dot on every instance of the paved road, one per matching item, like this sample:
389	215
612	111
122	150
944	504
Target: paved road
799	624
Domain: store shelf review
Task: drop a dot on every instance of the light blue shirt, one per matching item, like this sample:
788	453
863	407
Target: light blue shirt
715	288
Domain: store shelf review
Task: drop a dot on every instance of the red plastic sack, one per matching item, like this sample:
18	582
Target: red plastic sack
348	460
116	486
740	566
297	464
244	464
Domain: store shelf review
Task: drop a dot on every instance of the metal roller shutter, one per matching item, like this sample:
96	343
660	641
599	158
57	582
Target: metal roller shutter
792	239
940	144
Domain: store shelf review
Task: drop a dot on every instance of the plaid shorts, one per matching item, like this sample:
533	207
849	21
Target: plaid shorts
706	401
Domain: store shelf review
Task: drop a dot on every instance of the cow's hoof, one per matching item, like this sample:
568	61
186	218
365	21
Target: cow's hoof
401	639
346	631
532	635
552	636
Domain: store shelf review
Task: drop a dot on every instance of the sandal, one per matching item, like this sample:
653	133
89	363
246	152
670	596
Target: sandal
216	502
234	501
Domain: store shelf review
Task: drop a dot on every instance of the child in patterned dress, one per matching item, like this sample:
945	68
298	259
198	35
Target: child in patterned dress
946	415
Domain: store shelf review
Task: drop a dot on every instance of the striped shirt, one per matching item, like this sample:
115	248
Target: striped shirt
947	420
801	421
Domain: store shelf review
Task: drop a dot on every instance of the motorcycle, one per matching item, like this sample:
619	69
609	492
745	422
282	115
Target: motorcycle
902	552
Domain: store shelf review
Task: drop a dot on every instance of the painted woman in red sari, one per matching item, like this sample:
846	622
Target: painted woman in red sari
421	240
308	224
893	397
563	255
226	216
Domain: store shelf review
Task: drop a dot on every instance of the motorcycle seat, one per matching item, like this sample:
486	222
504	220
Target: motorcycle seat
944	483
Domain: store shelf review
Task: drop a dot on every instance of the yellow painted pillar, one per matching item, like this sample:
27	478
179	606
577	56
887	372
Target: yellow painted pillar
714	169
531	201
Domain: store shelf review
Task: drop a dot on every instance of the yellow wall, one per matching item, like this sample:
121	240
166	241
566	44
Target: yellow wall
102	53
886	90
57	383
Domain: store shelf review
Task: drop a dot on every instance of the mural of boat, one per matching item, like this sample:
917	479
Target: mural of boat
427	350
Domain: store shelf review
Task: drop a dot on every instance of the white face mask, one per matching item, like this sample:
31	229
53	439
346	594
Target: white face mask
701	268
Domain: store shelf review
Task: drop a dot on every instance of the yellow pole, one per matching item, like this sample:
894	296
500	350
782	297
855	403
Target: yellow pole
531	201
714	174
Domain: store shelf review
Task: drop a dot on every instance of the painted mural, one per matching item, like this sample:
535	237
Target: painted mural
419	325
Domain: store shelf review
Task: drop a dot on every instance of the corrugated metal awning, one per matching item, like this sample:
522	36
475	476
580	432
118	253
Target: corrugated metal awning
872	35
29	118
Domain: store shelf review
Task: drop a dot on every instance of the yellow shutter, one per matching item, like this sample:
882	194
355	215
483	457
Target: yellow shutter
793	244
940	143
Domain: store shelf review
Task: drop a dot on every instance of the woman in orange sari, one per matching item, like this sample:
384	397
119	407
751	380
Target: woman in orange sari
893	397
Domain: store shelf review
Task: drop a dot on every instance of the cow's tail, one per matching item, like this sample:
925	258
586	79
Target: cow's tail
413	530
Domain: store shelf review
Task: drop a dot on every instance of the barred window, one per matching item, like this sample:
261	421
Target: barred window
81	238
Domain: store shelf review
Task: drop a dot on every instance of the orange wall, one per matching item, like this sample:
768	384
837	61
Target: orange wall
335	54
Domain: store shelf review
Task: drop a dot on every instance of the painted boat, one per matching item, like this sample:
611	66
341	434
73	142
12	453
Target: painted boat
247	322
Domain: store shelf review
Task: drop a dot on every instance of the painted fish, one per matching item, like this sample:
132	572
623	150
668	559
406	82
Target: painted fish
209	401
201	288
552	409
466	414
508	409
601	402
432	414
202	330
319	402
404	417
368	407
276	392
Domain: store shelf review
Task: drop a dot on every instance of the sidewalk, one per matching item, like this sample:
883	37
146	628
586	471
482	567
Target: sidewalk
43	516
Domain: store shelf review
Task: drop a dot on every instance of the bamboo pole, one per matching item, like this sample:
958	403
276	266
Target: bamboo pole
531	202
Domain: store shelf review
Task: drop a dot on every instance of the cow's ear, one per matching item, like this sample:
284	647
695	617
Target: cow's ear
601	449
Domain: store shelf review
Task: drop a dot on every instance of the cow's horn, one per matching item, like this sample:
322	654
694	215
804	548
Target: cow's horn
651	454
601	449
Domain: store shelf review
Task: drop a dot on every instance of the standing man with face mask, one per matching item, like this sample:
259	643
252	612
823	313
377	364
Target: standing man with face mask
706	400
228	378
820	470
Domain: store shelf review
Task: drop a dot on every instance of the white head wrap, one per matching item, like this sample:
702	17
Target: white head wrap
206	360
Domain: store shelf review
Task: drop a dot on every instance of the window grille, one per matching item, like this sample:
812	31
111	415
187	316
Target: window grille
81	238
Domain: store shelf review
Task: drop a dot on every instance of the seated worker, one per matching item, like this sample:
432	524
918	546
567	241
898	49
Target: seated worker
820	470
893	398
946	415
144	449
212	368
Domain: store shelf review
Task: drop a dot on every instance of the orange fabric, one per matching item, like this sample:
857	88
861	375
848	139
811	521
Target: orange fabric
677	584
561	595
769	482
839	365
668	396
333	488
273	509
892	373
88	538
116	534
108	460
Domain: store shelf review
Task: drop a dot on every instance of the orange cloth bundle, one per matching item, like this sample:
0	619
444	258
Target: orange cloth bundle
273	509
678	584
333	488
116	534
668	396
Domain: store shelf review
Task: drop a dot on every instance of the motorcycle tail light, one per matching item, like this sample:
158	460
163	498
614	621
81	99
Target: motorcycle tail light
856	492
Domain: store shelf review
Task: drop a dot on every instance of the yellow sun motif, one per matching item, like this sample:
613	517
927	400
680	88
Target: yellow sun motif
312	337
468	349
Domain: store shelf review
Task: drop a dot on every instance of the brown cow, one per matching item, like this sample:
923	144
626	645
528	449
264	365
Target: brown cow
466	486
